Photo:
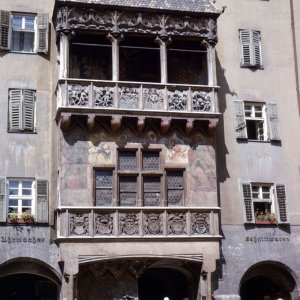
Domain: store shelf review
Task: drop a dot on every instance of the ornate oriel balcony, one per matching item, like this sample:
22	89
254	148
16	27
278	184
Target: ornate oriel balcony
137	222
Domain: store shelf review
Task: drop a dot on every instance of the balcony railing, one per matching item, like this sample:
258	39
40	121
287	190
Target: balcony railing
127	96
138	222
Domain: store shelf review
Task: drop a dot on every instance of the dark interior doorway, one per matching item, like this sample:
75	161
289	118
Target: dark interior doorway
27	287
158	283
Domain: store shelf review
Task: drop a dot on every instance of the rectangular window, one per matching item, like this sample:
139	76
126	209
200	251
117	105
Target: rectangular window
21	111
21	196
139	178
256	121
250	41
265	203
255	116
24	32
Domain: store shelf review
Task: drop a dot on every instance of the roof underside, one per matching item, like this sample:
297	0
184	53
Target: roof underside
197	6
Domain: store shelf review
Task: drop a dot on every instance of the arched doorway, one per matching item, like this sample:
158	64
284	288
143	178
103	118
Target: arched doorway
28	279
268	281
27	287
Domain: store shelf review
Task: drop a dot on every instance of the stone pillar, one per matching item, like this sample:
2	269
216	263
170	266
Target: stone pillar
69	282
64	50
115	39
211	63
163	43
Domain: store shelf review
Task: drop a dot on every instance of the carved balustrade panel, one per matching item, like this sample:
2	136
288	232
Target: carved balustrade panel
177	100
129	97
104	97
137	222
162	97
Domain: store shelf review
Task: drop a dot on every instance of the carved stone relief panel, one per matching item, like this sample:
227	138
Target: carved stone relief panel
79	224
200	223
153	98
129	97
201	101
176	223
153	224
177	100
78	95
104	224
129	223
104	97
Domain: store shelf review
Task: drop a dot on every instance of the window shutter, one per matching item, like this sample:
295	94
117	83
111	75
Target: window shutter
241	128
42	202
43	29
15	111
256	48
282	203
248	202
272	116
245	40
28	109
3	211
5	29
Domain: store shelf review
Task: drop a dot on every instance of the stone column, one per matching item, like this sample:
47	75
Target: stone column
64	50
163	42
115	39
211	63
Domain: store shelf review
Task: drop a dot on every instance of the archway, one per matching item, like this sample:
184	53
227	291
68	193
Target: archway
28	279
268	281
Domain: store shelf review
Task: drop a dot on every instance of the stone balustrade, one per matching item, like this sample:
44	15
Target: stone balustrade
133	96
137	222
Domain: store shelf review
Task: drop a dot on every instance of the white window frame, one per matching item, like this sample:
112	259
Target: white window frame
257	119
20	197
261	199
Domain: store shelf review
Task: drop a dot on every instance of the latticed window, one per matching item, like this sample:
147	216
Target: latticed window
104	187
139	180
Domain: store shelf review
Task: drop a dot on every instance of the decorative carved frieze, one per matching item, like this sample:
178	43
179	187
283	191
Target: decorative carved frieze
104	97
201	101
129	223
129	97
104	224
79	224
78	95
153	224
72	18
176	223
153	98
177	100
200	223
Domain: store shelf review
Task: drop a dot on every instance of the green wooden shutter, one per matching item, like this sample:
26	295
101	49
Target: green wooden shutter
256	44
3	201
15	110
246	47
273	124
42	202
248	202
5	29
28	110
42	34
281	203
241	128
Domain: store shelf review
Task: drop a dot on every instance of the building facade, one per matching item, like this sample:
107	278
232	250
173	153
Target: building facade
149	150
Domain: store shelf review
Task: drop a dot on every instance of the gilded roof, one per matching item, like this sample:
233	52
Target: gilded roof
196	6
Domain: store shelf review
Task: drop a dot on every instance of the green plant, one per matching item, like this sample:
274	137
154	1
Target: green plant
265	215
27	216
13	217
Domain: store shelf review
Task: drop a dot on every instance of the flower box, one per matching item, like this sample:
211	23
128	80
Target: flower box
20	221
266	222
